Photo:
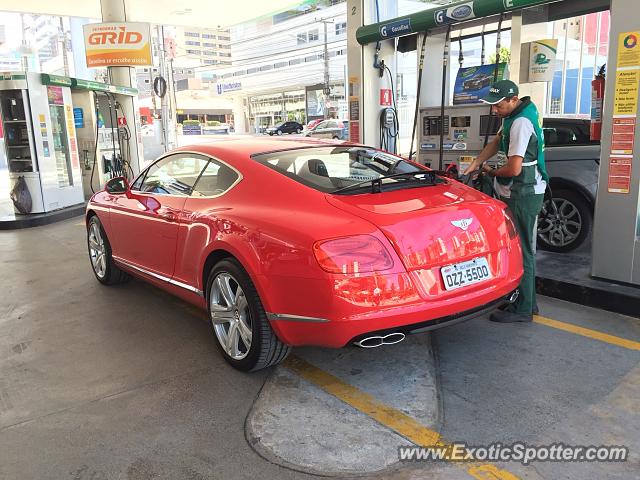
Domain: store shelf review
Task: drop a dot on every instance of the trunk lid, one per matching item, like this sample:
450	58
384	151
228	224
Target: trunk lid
433	226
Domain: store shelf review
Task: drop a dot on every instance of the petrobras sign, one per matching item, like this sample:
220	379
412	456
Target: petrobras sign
457	13
542	60
117	44
228	87
396	29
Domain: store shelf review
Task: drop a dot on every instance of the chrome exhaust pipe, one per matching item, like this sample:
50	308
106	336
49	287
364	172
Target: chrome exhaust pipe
514	296
379	340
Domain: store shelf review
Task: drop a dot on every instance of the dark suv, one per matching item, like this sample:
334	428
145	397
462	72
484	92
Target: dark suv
286	127
573	161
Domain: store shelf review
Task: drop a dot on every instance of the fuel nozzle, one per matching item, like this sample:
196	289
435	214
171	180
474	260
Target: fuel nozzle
377	63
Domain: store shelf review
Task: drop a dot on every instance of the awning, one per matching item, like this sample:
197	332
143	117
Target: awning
80	84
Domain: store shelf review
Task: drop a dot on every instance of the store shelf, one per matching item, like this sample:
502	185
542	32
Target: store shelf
20	160
14	121
18	146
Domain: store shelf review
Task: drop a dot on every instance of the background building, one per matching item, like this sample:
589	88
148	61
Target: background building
275	59
202	46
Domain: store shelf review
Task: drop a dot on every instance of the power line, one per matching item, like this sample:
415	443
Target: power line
236	42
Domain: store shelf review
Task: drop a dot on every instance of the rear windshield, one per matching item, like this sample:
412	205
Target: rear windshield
330	168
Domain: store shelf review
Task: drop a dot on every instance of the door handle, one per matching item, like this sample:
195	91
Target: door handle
169	217
168	214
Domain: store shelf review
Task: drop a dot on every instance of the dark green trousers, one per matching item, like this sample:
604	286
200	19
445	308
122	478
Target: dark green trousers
525	212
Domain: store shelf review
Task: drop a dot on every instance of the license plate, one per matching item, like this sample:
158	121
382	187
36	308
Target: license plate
465	273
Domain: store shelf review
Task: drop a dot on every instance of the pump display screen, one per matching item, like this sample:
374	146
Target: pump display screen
433	125
460	122
489	125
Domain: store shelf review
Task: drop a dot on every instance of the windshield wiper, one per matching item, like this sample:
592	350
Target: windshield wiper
427	177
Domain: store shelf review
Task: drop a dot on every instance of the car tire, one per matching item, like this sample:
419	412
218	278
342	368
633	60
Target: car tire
335	137
234	304
564	226
299	130
279	132
102	264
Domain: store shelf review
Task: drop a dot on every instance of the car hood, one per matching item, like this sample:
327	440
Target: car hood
434	225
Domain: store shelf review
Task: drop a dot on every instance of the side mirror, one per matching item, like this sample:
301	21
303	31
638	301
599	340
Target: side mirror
117	185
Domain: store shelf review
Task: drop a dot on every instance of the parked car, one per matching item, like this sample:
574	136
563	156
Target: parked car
313	123
336	129
286	127
334	257
572	162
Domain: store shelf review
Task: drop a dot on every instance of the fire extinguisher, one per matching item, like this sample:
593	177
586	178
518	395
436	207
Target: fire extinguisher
597	96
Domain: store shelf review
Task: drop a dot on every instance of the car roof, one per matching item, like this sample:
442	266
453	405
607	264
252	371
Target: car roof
245	147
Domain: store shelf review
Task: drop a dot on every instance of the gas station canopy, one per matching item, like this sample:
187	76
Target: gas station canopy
196	13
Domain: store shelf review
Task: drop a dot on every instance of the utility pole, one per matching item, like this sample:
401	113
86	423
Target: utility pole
24	47
62	37
172	89
153	93
326	89
164	107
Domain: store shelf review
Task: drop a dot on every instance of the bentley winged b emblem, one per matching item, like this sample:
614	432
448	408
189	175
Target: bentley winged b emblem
463	223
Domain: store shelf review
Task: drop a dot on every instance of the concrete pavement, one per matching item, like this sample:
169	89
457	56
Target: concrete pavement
126	382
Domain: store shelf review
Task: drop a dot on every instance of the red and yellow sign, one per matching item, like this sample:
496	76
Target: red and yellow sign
620	174
117	44
623	136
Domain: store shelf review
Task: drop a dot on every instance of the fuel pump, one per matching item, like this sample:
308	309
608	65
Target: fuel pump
482	52
445	64
495	73
389	128
112	153
417	110
451	136
597	96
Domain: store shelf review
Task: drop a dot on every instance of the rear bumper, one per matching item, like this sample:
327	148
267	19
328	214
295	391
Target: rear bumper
443	321
413	318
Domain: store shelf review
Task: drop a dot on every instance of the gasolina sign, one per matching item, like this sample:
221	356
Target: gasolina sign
117	44
396	29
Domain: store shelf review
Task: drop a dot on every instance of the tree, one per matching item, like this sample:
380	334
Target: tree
505	55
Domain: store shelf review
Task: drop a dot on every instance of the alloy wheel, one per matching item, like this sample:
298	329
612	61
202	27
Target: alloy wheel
230	316
560	222
97	250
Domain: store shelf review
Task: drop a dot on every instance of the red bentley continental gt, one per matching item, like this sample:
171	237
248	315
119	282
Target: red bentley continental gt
290	243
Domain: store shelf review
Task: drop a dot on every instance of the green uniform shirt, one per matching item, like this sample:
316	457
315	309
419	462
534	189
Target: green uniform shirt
533	178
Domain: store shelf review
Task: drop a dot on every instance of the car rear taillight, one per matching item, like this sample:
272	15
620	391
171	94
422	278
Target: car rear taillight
511	226
356	254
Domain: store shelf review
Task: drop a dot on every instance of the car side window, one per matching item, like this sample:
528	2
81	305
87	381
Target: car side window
136	185
173	175
559	134
216	179
322	125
